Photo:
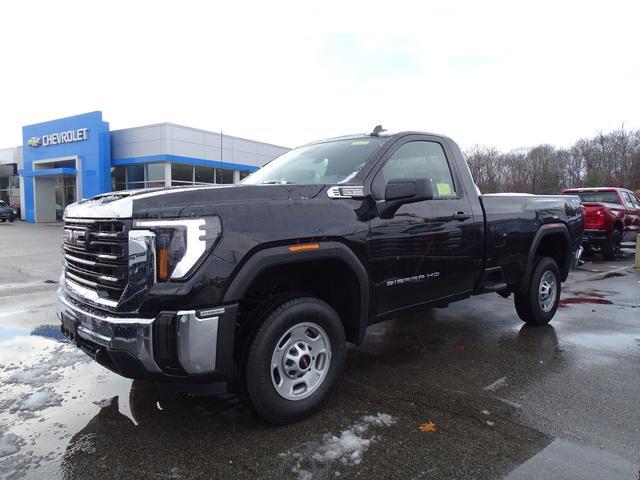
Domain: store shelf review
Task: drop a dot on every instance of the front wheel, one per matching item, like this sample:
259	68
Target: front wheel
295	360
538	305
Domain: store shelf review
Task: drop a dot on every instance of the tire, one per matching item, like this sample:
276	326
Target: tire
611	248
533	306
302	380
3	220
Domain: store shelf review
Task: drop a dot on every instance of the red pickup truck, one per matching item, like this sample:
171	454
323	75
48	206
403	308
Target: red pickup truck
609	215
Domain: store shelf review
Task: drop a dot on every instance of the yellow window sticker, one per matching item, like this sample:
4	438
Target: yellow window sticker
360	142
443	189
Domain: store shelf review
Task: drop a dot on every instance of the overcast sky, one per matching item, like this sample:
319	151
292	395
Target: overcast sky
507	74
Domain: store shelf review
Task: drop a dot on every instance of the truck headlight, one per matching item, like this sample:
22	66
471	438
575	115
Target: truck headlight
181	243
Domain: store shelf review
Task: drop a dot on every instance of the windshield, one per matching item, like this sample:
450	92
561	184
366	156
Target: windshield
319	164
601	197
2	204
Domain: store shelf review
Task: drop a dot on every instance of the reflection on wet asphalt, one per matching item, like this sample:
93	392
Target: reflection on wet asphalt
505	399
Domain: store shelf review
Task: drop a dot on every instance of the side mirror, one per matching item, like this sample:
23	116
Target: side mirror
399	191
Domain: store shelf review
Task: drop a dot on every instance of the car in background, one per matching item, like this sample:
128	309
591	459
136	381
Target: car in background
7	212
610	215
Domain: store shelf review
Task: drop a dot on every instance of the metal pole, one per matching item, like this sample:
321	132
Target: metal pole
638	251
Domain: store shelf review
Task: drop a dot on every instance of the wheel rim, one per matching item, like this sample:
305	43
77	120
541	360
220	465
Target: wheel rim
547	291
300	361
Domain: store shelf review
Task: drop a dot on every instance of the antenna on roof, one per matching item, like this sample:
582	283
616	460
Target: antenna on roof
377	131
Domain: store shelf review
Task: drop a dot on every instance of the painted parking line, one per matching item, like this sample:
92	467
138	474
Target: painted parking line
600	275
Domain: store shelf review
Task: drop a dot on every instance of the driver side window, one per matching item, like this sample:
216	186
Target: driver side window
421	159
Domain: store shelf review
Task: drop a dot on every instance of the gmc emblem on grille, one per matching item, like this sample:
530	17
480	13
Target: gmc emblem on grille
73	237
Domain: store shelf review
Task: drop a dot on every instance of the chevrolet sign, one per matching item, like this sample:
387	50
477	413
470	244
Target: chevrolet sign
69	136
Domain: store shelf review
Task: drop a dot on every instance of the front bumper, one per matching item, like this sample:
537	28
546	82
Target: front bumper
176	345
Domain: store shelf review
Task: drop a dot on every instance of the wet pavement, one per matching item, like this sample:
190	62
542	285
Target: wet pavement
462	392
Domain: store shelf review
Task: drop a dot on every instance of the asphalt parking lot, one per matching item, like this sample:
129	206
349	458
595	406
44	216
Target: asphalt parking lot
464	392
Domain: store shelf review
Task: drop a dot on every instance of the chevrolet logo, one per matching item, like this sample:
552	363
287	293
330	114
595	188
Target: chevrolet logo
34	142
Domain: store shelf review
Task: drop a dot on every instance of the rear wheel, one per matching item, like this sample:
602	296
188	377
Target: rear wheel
538	305
611	248
295	360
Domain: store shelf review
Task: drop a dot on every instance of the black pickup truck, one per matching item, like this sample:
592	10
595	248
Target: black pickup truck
256	287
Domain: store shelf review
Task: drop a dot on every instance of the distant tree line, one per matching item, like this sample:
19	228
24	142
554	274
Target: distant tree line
608	159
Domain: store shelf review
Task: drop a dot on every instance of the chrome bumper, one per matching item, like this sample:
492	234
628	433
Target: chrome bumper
196	340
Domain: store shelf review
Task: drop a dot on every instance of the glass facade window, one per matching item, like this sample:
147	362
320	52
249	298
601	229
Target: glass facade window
181	174
154	175
205	174
224	175
118	179
65	194
65	164
10	185
135	176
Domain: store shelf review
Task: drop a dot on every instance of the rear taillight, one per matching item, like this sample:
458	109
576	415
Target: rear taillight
600	216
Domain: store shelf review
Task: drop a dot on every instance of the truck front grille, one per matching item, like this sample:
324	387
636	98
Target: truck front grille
96	255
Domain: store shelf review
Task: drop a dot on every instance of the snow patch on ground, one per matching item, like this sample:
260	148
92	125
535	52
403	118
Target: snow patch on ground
105	402
27	376
9	444
316	458
35	401
16	466
38	375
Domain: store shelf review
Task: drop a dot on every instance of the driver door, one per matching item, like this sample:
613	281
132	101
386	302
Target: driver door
425	252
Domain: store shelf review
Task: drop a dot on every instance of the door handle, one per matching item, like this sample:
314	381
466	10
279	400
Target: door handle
460	216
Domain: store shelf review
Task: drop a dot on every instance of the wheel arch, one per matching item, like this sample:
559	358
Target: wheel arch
545	242
279	258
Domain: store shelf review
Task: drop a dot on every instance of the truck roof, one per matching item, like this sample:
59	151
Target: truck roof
384	134
594	189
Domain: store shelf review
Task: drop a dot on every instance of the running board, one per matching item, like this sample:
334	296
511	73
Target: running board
493	281
493	287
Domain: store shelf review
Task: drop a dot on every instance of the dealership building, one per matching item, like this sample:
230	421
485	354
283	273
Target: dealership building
64	160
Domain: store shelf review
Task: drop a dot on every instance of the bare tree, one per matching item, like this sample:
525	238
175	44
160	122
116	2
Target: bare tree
607	159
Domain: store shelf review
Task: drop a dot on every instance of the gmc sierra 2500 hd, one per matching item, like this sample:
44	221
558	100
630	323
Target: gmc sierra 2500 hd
257	286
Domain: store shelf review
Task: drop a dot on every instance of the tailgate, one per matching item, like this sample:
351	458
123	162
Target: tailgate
593	215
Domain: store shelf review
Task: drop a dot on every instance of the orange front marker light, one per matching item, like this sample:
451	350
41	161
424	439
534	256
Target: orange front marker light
304	248
163	264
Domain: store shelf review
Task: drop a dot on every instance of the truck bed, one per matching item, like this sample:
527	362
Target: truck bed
513	220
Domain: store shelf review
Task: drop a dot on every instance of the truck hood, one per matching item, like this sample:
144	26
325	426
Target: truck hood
171	202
